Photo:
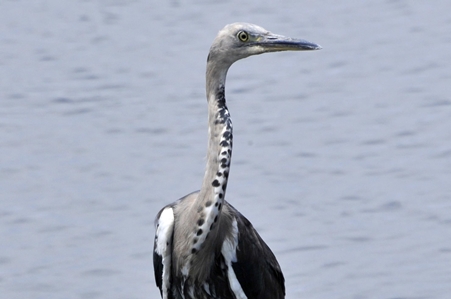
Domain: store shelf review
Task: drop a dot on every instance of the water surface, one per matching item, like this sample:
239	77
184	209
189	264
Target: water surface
342	157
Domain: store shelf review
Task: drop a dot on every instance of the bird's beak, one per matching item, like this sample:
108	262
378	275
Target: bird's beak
273	42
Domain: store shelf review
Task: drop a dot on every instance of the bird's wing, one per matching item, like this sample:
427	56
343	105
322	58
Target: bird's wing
162	253
256	267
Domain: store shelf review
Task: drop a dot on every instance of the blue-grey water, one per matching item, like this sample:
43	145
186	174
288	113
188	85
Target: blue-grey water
342	157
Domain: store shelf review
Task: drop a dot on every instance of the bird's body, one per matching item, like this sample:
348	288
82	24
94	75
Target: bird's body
204	248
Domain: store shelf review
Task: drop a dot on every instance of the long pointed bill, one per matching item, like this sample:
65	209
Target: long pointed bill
273	43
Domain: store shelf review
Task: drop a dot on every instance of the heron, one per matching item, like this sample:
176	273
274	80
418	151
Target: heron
204	248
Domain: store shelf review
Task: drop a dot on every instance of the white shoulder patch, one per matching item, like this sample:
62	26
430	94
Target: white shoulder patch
228	250
163	242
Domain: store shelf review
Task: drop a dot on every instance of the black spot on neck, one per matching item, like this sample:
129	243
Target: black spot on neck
215	183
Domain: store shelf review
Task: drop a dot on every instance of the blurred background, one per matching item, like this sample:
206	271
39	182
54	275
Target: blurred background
342	157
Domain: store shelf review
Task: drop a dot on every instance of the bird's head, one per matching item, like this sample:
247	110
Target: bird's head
240	40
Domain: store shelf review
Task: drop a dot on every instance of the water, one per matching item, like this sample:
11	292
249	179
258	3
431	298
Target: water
342	157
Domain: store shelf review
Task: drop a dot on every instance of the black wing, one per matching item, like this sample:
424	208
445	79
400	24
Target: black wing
256	268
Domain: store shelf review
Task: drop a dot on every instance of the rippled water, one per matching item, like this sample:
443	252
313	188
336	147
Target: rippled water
342	157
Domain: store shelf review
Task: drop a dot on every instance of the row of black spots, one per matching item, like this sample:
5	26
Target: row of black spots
198	233
201	221
218	204
220	95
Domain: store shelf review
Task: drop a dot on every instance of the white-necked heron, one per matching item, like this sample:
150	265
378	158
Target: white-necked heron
204	247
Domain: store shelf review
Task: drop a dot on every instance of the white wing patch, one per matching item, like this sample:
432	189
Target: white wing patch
164	229
228	250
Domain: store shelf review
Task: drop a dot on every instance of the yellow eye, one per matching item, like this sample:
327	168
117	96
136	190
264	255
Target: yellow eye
243	36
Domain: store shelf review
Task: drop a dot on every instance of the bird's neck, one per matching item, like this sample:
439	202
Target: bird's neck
211	196
219	147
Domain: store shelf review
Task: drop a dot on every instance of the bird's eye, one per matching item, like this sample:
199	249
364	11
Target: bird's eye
243	36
